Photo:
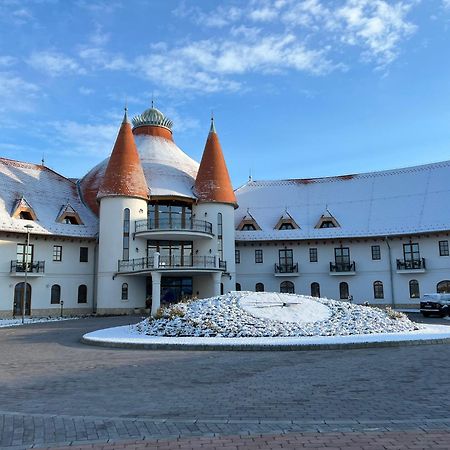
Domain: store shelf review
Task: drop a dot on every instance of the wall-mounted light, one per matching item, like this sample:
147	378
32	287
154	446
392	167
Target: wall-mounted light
141	211
206	213
210	251
137	250
196	251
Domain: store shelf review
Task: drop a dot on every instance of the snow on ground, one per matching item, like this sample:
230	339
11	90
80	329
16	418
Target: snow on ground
15	322
245	314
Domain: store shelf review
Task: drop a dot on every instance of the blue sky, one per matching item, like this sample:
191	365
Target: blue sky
299	88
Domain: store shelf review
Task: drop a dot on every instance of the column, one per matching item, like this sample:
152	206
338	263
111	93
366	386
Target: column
217	277
156	292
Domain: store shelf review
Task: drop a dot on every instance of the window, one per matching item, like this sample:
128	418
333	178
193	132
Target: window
70	220
55	295
376	252
258	256
286	226
170	216
443	287
57	253
238	286
342	255
220	235
287	287
237	256
248	227
411	252
82	293
313	255
125	291
84	254
343	291
378	289
126	235
443	248
315	289
286	258
25	254
259	287
414	291
327	224
25	215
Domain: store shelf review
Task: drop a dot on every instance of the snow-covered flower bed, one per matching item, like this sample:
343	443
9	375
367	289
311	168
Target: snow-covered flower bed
18	321
264	314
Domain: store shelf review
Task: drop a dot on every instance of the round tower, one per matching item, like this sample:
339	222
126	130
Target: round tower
216	203
122	197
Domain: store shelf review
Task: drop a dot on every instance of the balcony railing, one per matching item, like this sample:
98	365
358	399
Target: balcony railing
172	262
31	267
173	225
342	267
411	264
286	268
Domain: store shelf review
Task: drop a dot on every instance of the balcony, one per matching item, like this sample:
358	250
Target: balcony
343	268
286	270
173	264
33	268
175	229
411	265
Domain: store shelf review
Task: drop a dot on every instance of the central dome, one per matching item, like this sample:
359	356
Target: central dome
169	172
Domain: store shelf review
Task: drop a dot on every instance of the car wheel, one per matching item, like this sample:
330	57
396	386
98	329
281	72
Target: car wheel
426	314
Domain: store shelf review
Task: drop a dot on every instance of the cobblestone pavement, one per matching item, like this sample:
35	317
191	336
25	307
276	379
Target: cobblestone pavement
55	391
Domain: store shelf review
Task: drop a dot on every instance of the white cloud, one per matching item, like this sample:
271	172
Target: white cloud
7	61
53	63
99	58
16	94
83	90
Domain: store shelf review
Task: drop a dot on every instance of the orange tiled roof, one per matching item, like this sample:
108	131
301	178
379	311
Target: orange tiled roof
124	175
213	182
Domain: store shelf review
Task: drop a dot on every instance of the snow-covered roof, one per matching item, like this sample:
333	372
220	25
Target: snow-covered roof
46	192
168	170
392	202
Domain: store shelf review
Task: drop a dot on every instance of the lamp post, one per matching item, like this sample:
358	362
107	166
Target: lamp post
25	290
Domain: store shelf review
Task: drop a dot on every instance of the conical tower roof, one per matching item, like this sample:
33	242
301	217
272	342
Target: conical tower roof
124	175
213	182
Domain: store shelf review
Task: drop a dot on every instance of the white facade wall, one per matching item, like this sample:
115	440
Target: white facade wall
110	251
69	273
367	270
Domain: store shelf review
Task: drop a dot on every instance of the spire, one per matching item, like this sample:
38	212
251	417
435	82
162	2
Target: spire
124	175
125	116
213	128
213	182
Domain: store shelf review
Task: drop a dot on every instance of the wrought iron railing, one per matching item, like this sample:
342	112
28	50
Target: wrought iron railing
286	268
31	266
411	264
343	266
172	262
173	225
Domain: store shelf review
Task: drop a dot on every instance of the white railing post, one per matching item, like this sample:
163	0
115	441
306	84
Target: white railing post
156	260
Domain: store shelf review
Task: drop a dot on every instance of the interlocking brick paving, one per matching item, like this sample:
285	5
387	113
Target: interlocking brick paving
56	391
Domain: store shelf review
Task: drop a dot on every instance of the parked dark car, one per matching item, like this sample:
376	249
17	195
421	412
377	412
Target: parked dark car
436	304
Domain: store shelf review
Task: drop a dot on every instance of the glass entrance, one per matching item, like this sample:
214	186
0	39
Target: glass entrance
18	299
174	289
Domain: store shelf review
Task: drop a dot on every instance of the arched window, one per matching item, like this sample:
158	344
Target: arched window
55	295
343	290
221	288
220	236
414	291
378	289
259	287
443	287
315	289
287	287
238	286
125	291
126	234
82	293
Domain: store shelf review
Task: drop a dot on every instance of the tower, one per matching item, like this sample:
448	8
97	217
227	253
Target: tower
123	196
216	201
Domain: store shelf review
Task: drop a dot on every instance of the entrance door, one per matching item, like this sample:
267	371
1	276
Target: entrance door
18	299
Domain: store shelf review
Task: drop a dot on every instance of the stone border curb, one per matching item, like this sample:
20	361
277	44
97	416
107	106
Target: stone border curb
261	347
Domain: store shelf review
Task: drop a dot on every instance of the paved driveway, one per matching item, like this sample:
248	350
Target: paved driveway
56	390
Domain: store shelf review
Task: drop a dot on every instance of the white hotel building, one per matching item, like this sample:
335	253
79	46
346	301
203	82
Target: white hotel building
149	226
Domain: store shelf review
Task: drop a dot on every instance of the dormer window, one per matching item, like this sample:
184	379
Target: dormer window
286	222
25	215
68	215
248	223
286	226
23	210
327	221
